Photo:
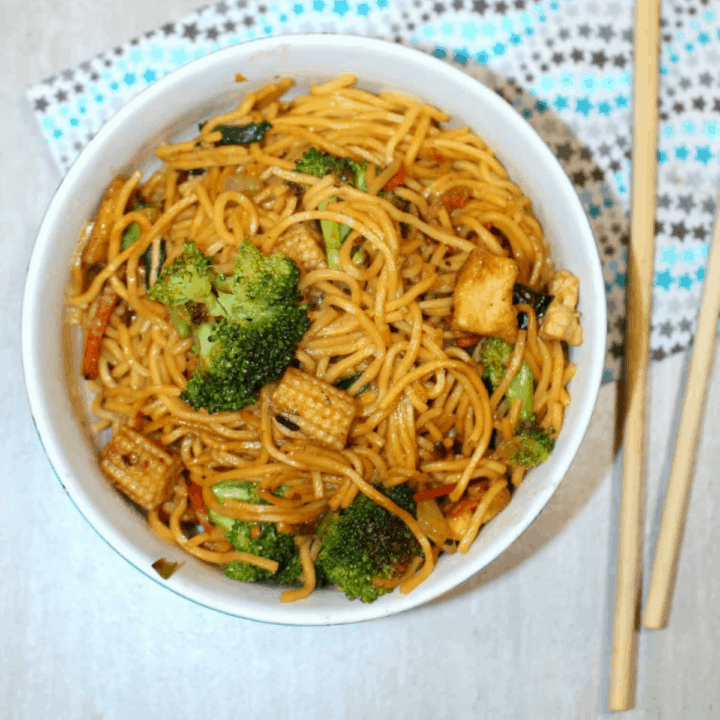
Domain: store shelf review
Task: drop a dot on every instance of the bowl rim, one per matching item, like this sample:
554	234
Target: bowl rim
356	612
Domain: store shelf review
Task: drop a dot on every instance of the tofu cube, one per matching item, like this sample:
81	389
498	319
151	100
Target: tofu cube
483	296
141	470
562	320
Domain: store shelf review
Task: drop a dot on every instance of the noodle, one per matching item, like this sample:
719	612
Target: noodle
382	322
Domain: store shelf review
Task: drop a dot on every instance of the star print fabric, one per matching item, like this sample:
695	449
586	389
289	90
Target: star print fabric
564	65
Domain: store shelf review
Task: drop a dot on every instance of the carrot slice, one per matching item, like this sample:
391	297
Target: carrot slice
430	493
397	179
462	505
198	502
96	332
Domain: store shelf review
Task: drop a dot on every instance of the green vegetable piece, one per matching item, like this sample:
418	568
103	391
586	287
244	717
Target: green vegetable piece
319	164
494	356
188	278
537	300
267	542
258	284
224	522
289	424
347	382
243	134
237	490
147	259
237	360
534	445
366	542
246	325
522	387
334	234
130	234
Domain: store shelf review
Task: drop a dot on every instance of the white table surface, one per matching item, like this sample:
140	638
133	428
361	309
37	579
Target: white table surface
84	635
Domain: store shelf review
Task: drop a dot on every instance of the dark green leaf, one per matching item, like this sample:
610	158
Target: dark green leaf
347	382
289	424
537	300
243	134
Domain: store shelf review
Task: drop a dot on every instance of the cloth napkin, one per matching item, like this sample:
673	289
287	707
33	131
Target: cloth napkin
564	65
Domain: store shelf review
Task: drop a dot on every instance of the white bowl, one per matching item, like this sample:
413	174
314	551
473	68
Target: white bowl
172	107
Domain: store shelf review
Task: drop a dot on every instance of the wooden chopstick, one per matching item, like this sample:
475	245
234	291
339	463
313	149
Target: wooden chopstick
621	691
667	549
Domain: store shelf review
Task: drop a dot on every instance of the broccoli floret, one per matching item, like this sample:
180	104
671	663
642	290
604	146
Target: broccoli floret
237	359
264	542
188	278
257	283
494	356
319	164
365	542
534	445
246	325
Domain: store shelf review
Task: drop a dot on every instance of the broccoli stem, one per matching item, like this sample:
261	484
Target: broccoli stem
224	522
334	235
522	387
494	356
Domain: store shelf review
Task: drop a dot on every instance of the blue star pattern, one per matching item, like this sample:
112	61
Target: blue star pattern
561	64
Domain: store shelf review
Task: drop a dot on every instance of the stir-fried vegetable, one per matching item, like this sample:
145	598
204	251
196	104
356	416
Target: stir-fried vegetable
96	331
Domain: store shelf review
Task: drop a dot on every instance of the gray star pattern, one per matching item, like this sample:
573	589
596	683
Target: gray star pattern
705	79
190	31
685	325
606	32
686	203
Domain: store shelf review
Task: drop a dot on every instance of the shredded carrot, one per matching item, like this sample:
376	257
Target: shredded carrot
397	179
462	505
96	332
467	342
198	502
429	493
